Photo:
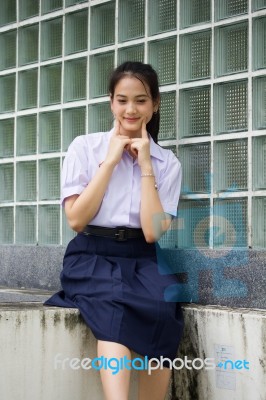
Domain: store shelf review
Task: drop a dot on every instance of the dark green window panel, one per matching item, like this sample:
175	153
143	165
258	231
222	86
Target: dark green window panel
74	124
51	38
230	223
8	49
194	229
51	5
28	44
194	12
230	8
102	25
132	53
162	16
162	55
7	182
75	79
258	222
50	85
28	8
259	103
196	166
195	56
69	3
26	181
6	225
259	43
100	117
230	107
194	112
231	165
49	224
26	135
76	32
6	137
50	132
49	178
27	89
259	162
8	12
131	19
26	224
7	93
231	49
258	4
167	116
101	66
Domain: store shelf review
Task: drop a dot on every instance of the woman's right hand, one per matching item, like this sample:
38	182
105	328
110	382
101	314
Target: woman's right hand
117	145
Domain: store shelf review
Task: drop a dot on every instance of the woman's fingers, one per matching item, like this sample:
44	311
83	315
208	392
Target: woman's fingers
117	127
133	147
144	133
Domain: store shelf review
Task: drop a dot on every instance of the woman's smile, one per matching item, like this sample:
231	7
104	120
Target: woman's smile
130	119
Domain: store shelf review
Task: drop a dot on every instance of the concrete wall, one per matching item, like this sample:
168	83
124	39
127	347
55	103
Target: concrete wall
32	335
234	278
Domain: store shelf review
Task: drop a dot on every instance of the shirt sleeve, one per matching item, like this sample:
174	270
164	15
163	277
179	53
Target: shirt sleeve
74	176
169	185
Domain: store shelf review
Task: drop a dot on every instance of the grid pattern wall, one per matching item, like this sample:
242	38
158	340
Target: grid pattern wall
55	59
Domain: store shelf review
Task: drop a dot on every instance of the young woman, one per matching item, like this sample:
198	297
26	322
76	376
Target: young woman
120	190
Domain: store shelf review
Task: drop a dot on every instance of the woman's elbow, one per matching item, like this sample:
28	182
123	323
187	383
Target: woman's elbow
150	237
76	225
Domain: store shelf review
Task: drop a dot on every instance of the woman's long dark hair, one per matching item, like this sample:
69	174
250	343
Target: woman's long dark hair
147	75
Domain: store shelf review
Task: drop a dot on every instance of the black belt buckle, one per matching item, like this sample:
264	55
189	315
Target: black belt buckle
121	234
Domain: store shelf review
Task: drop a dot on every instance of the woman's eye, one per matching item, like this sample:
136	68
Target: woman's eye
141	101
121	101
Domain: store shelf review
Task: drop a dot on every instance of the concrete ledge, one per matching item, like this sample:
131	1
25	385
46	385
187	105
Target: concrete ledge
31	336
9	295
223	333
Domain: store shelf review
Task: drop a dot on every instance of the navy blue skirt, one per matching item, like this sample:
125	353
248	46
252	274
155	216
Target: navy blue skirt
120	294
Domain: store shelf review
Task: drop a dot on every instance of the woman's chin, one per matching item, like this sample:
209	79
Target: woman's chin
130	128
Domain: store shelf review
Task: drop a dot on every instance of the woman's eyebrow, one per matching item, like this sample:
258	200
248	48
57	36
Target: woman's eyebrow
139	95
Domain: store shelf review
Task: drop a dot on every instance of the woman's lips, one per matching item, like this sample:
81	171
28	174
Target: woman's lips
131	119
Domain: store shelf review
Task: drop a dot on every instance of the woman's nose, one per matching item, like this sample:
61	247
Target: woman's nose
131	108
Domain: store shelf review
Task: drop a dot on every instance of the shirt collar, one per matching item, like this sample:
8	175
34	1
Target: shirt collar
155	149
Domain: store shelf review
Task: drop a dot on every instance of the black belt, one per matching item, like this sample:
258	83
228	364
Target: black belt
120	233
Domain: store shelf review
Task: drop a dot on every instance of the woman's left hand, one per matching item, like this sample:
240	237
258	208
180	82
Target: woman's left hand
140	147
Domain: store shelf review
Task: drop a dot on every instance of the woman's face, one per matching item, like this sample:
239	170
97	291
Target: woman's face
131	104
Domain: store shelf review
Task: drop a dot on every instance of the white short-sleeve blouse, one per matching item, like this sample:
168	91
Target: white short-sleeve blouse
121	202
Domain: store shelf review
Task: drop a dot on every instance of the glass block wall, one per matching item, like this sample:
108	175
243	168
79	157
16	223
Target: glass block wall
210	55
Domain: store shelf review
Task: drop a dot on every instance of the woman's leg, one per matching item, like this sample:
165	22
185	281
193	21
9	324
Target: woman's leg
115	385
155	385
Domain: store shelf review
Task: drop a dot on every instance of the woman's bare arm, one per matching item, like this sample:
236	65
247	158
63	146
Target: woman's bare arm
81	209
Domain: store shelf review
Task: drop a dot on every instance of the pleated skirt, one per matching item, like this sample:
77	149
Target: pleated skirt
119	292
